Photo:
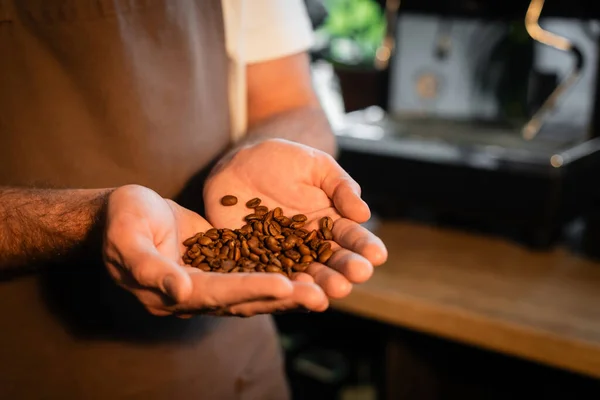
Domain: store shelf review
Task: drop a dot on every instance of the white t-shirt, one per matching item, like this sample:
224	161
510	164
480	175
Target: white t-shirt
260	30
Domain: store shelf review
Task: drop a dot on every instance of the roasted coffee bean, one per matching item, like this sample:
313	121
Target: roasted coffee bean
190	241
293	254
208	252
304	250
253	217
300	267
212	233
272	268
323	247
296	225
261	210
306	259
198	260
229	200
204	241
299	218
325	256
284	221
228	265
204	267
326	223
311	236
301	233
268	242
255	202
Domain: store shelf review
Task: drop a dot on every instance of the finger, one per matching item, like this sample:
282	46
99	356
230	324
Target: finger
152	270
350	235
306	296
354	267
302	277
344	191
334	284
221	290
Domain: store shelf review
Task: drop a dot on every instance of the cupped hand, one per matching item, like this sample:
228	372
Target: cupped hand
142	251
301	180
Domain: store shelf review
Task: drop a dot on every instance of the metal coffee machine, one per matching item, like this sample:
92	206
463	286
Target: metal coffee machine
492	119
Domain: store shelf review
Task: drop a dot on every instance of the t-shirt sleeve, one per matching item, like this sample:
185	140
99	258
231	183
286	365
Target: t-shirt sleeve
275	28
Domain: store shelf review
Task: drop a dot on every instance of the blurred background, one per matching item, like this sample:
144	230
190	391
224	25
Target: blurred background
473	129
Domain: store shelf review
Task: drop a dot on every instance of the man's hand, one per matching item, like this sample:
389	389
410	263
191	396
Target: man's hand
301	180
142	250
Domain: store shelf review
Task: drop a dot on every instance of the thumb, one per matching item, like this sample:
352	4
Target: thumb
344	191
152	270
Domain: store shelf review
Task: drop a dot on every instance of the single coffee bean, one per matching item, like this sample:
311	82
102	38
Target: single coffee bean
255	202
190	241
277	212
205	241
261	210
304	250
286	262
327	235
193	254
311	236
293	254
252	217
284	221
324	247
204	267
274	229
275	261
234	270
208	252
300	218
198	260
326	223
254	257
296	225
264	258
325	256
272	268
258	227
301	233
300	267
186	259
306	259
212	233
228	265
229	200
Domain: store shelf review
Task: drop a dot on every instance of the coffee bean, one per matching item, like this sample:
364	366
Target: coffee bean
284	221
296	225
325	256
299	218
306	259
255	202
229	200
253	217
212	233
300	267
190	241
261	210
268	242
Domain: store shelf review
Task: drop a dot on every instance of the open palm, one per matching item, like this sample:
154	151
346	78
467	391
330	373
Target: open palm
300	180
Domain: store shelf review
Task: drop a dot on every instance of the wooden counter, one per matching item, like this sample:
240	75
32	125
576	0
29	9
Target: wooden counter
487	292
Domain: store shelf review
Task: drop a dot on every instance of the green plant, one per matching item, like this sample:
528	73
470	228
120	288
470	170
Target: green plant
353	30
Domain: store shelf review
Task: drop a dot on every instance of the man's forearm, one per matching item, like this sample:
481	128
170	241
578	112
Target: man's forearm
40	225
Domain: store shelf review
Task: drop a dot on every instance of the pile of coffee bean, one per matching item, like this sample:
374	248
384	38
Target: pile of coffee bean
268	242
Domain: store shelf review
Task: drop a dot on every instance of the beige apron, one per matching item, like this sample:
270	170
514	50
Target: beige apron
101	93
